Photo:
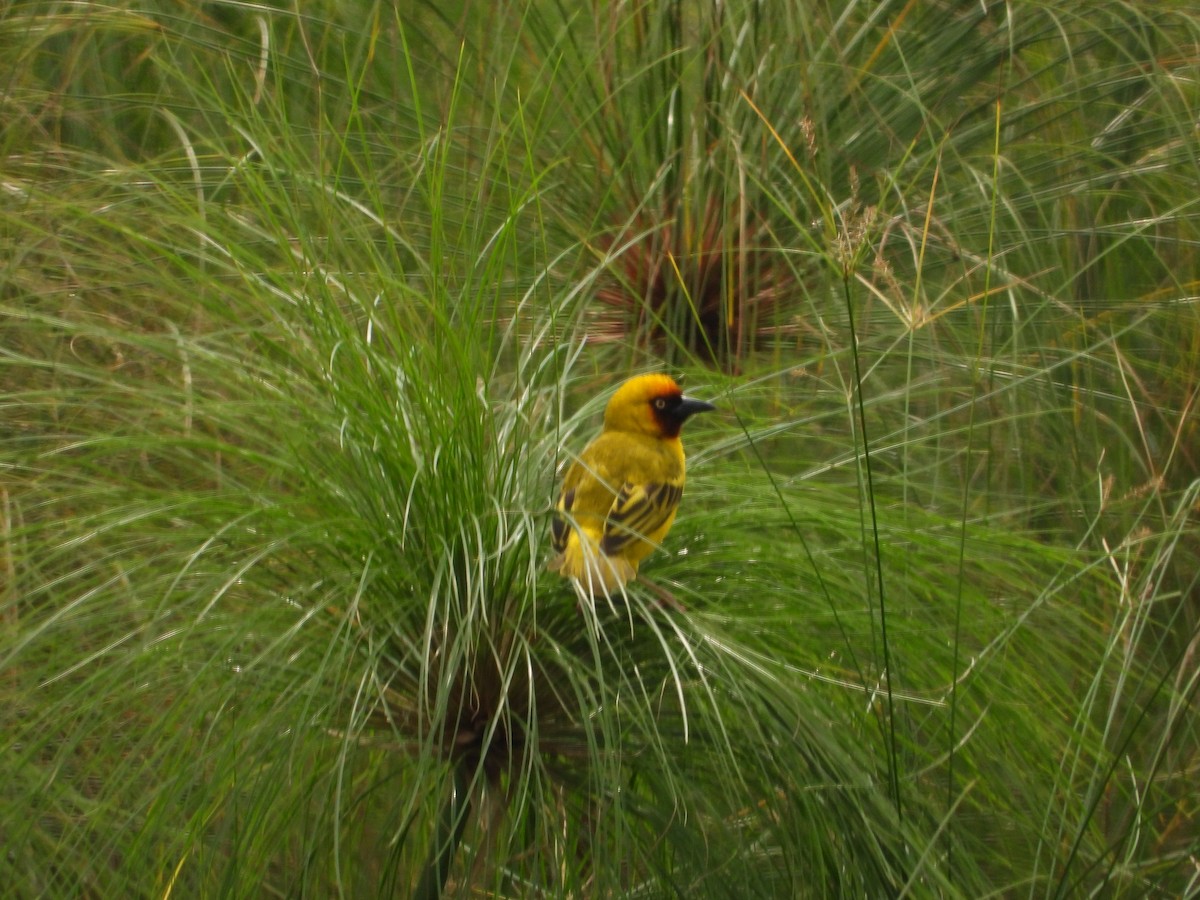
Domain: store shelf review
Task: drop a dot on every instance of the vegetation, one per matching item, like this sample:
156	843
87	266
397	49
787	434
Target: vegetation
304	311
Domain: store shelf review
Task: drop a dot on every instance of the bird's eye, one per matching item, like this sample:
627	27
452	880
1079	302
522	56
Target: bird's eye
660	403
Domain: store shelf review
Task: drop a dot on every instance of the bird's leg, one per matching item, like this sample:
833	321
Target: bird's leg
666	599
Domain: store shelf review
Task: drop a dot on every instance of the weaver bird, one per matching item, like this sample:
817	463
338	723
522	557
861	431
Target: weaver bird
619	498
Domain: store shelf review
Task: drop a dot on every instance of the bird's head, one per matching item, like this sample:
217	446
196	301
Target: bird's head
651	404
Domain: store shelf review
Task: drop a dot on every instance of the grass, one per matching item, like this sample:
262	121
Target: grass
302	315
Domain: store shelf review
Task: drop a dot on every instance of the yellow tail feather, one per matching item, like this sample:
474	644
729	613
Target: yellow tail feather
596	573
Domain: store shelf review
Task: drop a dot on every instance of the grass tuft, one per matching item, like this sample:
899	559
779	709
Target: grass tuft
303	313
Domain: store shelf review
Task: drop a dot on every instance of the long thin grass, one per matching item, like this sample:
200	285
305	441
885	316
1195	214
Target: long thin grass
302	313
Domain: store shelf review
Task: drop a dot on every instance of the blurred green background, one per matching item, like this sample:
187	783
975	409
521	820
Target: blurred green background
303	309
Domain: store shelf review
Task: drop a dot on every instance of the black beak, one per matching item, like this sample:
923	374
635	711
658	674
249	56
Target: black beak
672	411
687	407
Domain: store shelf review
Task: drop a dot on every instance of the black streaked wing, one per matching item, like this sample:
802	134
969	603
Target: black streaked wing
639	510
559	527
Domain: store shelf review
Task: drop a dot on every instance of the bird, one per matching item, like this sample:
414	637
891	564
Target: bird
619	497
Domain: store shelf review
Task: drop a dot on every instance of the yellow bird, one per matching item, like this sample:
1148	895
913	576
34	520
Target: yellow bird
619	498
